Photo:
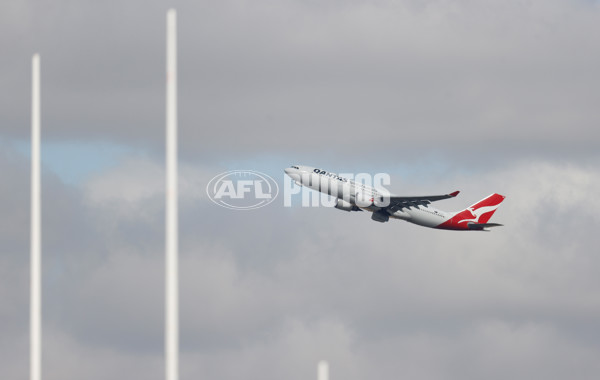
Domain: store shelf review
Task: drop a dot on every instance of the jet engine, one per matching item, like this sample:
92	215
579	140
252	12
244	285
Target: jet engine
346	206
380	216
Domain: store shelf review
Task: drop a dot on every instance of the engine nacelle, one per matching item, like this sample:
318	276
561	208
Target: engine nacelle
346	206
380	216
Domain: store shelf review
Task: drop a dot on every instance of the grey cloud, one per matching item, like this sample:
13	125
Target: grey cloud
463	78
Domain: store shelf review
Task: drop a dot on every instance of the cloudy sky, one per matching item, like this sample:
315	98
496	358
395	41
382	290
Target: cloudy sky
478	96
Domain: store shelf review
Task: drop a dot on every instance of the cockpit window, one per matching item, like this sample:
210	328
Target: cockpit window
295	167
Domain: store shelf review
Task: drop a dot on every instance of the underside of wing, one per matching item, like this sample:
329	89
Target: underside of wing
482	226
397	203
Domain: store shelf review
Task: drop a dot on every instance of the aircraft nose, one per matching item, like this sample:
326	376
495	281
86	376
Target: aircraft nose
293	173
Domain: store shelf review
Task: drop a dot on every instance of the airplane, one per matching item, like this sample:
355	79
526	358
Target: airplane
353	196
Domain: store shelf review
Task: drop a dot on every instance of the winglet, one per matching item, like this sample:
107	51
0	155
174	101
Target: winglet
454	193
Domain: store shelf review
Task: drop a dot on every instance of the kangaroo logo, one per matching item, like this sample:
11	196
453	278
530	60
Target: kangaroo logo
476	214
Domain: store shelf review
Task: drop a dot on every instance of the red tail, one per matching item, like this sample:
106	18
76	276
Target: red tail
479	213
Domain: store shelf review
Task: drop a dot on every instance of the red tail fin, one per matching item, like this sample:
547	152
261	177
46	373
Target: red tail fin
479	213
485	208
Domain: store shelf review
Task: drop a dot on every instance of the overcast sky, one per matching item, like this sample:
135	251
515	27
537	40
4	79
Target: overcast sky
478	96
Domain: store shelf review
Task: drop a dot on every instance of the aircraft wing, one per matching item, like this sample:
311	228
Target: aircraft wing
398	203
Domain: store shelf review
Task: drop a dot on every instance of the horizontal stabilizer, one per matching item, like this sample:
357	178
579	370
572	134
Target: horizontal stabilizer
482	226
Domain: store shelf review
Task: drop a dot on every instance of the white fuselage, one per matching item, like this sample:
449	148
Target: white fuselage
364	197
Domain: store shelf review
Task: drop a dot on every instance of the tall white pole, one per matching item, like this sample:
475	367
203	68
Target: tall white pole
323	370
172	278
35	318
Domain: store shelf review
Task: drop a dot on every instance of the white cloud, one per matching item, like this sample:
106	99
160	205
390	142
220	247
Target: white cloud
137	180
278	289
